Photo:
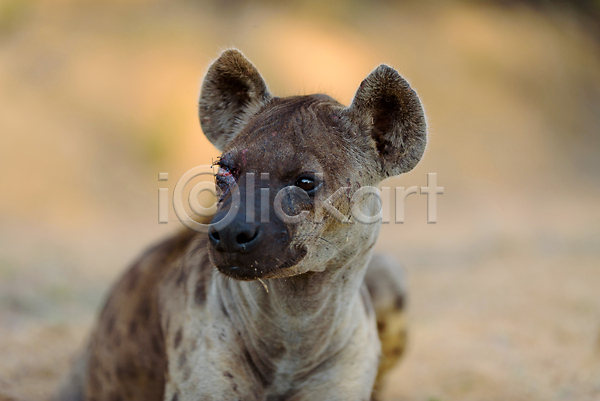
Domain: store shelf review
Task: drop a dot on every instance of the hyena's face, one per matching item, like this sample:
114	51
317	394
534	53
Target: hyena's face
291	167
280	169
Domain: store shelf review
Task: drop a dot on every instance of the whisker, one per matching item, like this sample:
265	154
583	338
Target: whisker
264	285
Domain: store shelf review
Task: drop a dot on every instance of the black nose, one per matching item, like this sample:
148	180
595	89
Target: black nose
238	236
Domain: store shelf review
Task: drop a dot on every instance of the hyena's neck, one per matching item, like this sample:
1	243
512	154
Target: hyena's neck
303	320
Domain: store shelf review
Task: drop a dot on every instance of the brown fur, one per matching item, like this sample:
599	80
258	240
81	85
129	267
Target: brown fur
191	321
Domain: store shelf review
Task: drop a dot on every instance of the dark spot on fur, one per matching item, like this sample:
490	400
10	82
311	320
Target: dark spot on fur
200	292
181	278
224	310
266	377
178	337
116	397
126	370
399	302
175	397
182	360
277	349
132	328
156	345
380	326
228	375
282	397
143	310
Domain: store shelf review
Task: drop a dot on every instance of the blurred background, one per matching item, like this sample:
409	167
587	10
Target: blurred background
97	98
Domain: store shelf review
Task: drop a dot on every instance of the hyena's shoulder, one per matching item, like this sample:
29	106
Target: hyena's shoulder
126	353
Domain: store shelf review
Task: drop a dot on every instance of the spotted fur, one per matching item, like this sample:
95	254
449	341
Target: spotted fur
272	310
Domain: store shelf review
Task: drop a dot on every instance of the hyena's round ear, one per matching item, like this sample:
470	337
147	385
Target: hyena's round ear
232	89
387	107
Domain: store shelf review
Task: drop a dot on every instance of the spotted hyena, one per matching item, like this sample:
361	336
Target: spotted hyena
289	307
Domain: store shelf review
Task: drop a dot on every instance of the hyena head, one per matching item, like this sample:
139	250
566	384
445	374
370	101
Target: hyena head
296	174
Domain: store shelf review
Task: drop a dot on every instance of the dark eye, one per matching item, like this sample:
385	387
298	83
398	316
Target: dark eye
306	183
224	179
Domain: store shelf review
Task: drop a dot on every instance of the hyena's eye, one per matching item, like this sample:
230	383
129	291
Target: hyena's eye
224	179
309	184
